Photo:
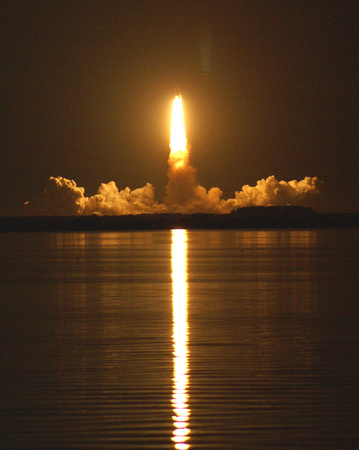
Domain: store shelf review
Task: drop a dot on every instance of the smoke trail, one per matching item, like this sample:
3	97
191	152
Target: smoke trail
185	195
183	192
181	185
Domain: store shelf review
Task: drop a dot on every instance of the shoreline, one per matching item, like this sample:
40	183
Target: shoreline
256	217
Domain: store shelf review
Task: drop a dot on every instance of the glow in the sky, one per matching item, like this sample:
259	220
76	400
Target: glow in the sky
184	194
180	336
178	142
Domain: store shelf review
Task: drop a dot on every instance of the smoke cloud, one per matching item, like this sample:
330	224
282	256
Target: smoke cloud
183	192
62	196
185	195
271	192
110	201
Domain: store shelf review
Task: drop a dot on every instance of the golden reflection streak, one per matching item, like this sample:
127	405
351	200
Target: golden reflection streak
180	337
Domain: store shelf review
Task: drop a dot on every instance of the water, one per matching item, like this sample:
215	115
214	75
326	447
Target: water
176	340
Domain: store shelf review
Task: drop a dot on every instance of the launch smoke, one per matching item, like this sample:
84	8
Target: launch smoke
183	193
62	196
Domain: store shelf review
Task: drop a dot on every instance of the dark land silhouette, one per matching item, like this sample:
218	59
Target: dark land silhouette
256	217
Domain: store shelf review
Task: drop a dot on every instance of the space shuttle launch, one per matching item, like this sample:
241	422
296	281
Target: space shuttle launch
183	192
178	141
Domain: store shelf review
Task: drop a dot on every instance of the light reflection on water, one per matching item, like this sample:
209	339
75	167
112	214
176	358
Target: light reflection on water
202	339
180	339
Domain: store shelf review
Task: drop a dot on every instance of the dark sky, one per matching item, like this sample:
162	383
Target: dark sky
269	88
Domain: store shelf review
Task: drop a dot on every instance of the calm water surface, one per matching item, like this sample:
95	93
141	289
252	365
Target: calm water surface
180	340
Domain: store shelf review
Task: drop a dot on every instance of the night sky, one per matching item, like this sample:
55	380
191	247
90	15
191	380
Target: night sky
269	88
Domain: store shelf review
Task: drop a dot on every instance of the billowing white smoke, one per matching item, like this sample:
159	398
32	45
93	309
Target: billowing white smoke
61	197
110	201
183	194
271	192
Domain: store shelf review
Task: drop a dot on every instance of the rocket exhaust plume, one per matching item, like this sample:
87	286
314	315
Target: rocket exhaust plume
186	195
181	176
183	193
178	143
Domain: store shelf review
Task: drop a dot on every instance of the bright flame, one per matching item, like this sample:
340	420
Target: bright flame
180	337
178	143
